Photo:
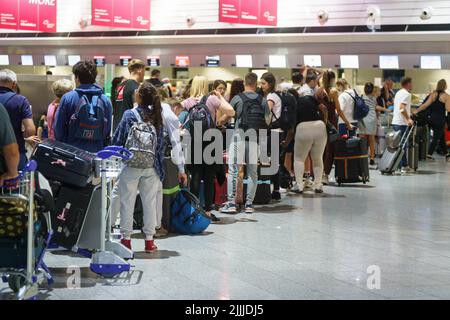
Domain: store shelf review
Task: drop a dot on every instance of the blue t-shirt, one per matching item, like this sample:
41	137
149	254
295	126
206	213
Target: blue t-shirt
18	109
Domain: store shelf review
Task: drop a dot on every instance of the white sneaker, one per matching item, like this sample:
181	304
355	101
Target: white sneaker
296	189
283	190
308	183
325	180
405	170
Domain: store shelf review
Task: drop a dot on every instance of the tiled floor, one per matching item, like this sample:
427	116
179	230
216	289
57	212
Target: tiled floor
307	247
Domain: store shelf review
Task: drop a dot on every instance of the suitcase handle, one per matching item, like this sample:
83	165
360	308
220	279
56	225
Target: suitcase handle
63	153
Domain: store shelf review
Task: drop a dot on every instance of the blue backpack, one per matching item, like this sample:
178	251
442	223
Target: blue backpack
188	216
361	110
89	120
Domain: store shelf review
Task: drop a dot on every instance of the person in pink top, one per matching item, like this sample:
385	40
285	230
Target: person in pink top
60	88
221	112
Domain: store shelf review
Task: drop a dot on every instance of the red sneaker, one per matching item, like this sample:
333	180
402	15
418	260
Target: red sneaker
150	246
126	243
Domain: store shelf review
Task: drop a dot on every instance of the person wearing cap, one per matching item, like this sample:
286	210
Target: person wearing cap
125	91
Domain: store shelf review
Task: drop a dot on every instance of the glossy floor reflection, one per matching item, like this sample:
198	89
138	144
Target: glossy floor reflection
307	247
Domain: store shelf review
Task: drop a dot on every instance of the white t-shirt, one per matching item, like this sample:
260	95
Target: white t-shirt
347	104
306	90
402	97
277	106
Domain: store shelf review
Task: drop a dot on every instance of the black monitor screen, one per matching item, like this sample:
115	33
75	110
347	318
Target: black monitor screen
394	75
100	61
153	61
124	61
213	61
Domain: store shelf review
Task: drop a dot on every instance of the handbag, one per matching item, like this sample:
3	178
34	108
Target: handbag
333	134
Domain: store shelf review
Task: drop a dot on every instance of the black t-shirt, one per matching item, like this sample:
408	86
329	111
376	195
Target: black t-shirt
308	109
124	99
156	82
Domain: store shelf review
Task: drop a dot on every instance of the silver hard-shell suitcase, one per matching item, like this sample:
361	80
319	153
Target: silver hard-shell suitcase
392	157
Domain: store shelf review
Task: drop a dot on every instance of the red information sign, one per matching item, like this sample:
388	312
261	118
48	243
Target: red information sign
47	16
9	12
121	13
33	15
229	11
257	12
102	12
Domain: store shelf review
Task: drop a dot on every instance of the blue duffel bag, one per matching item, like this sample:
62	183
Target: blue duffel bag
188	216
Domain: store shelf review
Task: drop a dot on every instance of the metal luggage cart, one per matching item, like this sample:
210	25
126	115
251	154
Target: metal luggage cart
24	280
109	259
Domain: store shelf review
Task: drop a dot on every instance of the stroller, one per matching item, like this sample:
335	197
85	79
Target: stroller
25	233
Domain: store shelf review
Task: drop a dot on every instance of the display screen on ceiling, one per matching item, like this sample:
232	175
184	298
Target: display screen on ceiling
153	61
125	60
430	62
4	60
312	60
212	61
50	61
244	61
182	61
350	62
74	59
389	62
27	60
100	61
277	61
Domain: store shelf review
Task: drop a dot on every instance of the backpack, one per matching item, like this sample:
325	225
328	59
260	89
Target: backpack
141	141
188	216
288	117
89	121
200	114
361	110
253	115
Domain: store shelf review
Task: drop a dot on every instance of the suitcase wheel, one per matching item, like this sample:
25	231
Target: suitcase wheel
16	282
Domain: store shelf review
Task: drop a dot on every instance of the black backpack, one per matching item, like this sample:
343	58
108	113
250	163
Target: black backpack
288	117
253	115
200	114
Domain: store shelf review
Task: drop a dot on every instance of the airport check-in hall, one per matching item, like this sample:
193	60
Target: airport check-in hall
224	150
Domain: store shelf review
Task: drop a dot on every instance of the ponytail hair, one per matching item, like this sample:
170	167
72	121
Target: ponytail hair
328	76
150	98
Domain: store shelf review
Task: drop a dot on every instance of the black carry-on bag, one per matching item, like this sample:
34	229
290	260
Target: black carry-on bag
392	156
61	162
351	161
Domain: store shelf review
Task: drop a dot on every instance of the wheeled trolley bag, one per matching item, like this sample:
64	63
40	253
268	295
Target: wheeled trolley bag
61	162
392	157
351	161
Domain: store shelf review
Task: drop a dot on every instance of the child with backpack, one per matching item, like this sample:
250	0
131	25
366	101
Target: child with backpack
204	109
141	131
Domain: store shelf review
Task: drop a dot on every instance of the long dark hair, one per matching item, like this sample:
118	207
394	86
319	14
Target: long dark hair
150	98
327	78
237	87
271	80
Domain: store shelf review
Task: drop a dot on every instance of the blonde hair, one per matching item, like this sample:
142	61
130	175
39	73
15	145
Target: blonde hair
61	87
199	87
441	85
342	83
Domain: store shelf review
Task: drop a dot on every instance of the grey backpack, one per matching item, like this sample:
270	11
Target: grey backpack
141	141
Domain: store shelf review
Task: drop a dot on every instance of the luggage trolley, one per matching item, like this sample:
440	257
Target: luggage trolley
22	264
109	260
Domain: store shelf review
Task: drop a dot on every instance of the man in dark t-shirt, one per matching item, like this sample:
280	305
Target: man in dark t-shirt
9	150
126	90
154	80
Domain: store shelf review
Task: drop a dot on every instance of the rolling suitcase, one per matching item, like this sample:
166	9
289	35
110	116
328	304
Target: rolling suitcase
423	141
64	163
413	152
351	161
263	193
220	193
392	157
72	204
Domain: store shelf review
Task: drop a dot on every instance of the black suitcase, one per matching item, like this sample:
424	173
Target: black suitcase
423	141
352	161
75	203
64	163
263	191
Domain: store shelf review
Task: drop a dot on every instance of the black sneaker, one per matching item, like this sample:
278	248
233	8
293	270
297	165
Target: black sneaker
276	196
372	162
214	218
318	191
